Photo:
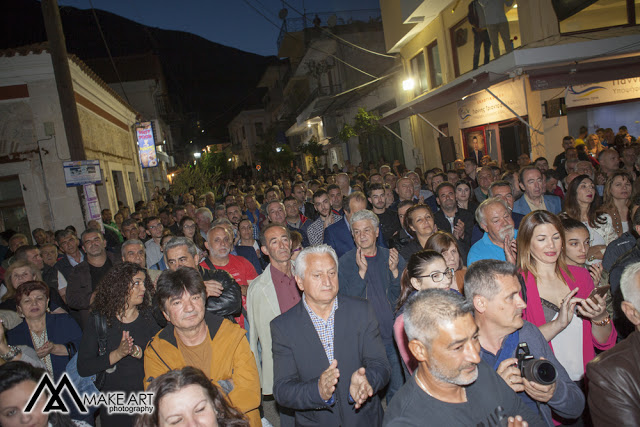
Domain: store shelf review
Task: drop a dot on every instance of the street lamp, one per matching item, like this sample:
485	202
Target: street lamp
197	155
408	84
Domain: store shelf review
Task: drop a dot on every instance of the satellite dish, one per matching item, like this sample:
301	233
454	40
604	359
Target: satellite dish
331	22
283	13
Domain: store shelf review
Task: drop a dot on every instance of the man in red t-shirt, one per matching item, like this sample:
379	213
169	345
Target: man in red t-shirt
219	243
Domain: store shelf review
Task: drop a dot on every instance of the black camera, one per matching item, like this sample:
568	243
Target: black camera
536	370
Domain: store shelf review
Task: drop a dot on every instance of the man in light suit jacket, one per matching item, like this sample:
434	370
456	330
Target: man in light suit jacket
328	358
338	235
533	199
271	294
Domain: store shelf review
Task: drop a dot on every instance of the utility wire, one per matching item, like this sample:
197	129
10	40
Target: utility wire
310	47
106	45
339	38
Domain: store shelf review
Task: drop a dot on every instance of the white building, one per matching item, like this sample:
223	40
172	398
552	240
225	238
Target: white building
33	143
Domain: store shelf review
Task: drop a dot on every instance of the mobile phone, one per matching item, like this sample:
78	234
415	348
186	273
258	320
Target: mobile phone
600	290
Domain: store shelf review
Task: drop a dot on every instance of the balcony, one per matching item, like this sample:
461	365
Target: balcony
327	19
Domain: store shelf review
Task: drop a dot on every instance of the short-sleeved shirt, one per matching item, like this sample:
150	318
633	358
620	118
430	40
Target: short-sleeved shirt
486	249
240	269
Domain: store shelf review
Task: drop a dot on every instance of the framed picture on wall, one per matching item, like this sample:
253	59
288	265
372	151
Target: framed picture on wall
475	144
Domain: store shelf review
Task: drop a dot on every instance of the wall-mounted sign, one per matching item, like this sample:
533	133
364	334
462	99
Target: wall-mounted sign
82	172
604	92
482	108
146	145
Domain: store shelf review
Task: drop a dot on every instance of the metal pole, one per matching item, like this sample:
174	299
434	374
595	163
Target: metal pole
513	112
429	123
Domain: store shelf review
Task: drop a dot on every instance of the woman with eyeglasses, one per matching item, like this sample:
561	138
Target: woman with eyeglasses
189	229
426	269
447	246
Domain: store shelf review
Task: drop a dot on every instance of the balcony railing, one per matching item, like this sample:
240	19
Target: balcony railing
344	17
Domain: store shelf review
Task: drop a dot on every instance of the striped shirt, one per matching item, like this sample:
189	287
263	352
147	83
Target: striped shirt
324	328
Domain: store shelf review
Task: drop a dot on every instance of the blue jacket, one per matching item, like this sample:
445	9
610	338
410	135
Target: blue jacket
338	236
553	204
61	329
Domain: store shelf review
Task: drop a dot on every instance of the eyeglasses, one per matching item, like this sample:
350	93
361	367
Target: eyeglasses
438	276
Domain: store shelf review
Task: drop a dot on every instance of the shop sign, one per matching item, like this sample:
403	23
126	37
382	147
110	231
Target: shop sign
146	145
82	172
602	93
482	108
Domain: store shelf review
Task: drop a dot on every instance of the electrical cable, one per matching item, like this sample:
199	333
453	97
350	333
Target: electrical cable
304	16
104	40
309	47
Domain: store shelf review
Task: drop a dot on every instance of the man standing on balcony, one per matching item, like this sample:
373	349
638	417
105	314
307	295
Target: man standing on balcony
497	22
480	34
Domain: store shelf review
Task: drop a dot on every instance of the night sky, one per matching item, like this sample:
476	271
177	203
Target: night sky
229	22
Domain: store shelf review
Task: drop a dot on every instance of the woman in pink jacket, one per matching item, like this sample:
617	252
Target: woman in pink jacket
558	296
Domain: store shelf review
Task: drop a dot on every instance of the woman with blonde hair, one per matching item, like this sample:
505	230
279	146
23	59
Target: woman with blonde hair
555	291
447	246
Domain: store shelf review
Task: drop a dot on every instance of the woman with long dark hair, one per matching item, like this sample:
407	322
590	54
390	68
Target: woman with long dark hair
425	269
419	224
616	199
123	300
580	203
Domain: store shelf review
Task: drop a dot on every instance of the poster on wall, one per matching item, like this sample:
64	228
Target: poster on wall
92	203
146	145
475	144
82	172
602	93
482	108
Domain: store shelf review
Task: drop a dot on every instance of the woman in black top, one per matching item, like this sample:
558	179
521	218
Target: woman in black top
123	298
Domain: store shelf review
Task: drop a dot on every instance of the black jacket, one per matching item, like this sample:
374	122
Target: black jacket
461	215
229	303
620	321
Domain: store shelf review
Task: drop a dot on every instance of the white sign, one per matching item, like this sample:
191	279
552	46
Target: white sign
482	108
92	202
82	172
601	93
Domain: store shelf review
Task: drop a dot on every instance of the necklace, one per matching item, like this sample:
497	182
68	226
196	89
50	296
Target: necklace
422	386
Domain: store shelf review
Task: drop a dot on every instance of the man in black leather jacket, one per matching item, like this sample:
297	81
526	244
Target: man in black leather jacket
614	376
224	296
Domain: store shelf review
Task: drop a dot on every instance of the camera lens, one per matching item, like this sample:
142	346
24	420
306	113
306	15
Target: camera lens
540	371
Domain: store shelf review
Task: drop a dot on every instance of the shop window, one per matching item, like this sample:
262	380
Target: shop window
435	71
584	15
419	73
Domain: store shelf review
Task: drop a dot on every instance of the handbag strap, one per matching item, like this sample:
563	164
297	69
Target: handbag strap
101	328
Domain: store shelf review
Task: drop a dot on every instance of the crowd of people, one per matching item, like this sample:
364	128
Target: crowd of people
361	296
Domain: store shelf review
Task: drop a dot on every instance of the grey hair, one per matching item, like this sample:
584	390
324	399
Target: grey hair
129	243
502	183
363	215
480	219
481	278
181	241
428	309
301	261
206	212
629	284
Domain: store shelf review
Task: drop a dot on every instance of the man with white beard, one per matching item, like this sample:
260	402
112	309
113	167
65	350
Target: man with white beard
498	242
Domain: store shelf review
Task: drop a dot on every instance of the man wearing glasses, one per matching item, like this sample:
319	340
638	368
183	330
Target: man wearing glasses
154	230
373	272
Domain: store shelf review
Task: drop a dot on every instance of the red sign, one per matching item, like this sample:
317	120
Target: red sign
258	167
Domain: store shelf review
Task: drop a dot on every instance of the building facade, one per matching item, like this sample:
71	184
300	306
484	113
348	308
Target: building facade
561	68
33	143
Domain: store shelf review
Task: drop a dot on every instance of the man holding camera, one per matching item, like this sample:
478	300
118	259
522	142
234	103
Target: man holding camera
515	348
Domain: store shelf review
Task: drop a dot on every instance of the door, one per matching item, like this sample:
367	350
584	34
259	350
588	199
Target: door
13	215
514	140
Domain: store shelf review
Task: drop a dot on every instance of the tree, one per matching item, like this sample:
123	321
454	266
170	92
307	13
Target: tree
312	148
365	124
203	176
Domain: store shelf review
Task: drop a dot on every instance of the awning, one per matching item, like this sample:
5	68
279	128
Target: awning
547	67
